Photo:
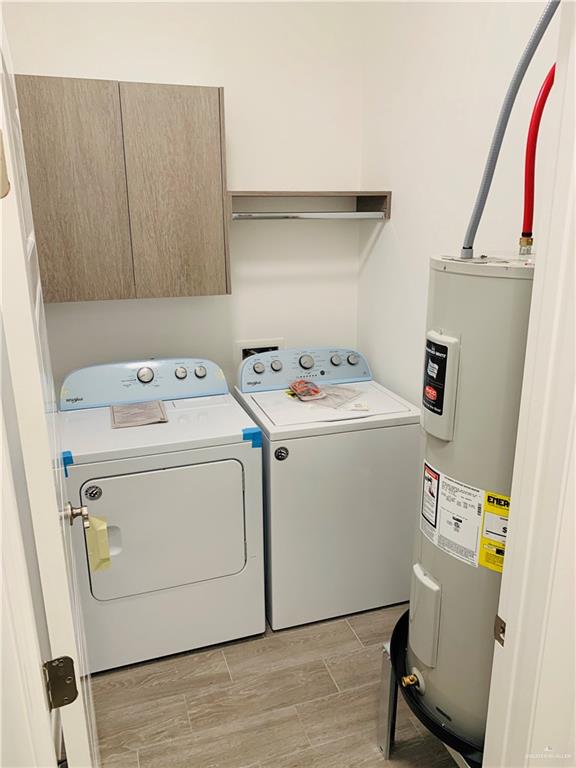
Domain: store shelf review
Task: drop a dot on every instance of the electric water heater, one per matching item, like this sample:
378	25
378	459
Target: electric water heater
474	357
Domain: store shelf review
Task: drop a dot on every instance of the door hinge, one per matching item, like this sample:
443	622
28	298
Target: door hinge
60	681
499	630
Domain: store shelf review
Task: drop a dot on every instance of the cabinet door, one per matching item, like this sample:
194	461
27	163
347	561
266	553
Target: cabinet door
72	133
173	140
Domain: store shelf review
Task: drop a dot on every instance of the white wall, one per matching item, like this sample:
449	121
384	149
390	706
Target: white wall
436	74
400	96
293	119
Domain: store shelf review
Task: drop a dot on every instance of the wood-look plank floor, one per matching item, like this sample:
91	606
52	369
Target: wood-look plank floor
298	698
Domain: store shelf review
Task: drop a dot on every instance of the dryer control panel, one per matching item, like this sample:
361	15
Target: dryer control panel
120	383
276	370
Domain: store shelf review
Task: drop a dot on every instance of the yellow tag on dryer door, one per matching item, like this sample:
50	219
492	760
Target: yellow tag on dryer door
494	531
97	544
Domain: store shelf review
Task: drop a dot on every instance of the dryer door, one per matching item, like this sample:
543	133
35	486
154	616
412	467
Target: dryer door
169	527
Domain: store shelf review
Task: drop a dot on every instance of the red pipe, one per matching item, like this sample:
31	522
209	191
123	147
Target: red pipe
531	152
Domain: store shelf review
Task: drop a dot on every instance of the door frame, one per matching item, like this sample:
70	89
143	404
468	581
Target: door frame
23	318
27	725
529	711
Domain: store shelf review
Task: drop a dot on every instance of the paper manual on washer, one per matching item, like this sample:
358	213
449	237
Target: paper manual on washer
341	398
138	414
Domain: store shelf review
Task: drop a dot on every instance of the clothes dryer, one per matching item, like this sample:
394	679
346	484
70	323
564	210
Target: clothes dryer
177	505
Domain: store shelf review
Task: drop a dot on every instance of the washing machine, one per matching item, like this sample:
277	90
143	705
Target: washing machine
175	508
341	484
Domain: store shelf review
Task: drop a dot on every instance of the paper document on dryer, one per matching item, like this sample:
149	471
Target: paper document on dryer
138	414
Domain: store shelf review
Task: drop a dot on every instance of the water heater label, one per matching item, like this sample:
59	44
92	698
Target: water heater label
434	376
430	496
494	531
467	523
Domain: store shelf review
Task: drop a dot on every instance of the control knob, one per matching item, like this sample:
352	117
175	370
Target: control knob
336	360
180	372
259	368
353	359
306	362
276	365
145	375
200	372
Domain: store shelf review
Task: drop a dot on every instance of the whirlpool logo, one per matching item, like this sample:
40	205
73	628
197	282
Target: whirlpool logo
74	399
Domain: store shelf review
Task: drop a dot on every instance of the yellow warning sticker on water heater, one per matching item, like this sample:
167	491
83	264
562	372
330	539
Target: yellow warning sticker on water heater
494	531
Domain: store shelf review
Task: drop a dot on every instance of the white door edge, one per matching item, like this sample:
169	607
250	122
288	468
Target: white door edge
27	725
21	324
531	707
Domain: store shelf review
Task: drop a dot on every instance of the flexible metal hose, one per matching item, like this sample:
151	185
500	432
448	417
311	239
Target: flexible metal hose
468	247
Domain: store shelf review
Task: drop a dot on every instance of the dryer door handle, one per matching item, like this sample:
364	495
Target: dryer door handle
73	513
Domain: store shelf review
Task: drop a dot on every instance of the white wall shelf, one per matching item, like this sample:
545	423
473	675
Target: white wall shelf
271	206
250	216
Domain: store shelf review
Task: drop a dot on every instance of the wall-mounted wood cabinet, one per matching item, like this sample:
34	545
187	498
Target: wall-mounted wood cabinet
128	187
72	132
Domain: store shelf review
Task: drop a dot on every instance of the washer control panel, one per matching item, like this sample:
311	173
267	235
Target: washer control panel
276	370
121	383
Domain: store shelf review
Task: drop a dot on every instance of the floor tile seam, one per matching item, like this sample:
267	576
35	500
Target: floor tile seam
146	667
357	687
311	701
361	731
364	729
283	666
331	676
287	706
99	711
314	699
156	743
227	665
314	747
340	693
337	656
291	754
286	666
253	678
282	755
106	708
355	633
115	755
284	634
304	730
188	715
180	738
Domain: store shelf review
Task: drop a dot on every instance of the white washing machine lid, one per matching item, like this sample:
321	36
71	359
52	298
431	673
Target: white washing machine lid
282	410
87	435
